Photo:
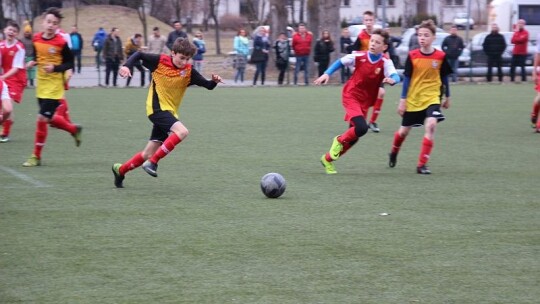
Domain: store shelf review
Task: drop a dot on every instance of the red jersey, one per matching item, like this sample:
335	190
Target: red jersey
364	38
363	86
12	56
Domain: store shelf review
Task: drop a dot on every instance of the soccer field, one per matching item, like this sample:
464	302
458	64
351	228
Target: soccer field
202	232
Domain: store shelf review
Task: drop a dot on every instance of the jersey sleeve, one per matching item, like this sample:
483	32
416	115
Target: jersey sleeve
18	59
389	67
348	60
408	67
446	69
67	60
198	79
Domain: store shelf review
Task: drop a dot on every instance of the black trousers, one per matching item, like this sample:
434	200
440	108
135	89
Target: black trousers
494	62
518	60
111	67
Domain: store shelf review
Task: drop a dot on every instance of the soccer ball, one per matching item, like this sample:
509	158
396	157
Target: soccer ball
273	185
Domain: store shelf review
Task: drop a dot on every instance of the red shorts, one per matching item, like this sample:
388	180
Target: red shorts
16	92
354	108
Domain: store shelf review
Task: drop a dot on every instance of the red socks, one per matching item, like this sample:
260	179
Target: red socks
398	140
63	109
7	127
131	164
166	147
536	108
423	158
60	122
376	110
41	137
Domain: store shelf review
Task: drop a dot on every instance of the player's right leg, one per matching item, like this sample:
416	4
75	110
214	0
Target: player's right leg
6	111
399	138
536	107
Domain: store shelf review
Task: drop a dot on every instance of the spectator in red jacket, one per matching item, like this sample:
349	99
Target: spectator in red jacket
520	39
301	44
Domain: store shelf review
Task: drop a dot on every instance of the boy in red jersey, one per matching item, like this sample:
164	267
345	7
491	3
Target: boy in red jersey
171	75
53	58
12	54
426	78
360	92
536	79
362	44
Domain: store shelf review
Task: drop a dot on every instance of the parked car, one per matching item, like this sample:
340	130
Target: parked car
462	19
402	51
479	58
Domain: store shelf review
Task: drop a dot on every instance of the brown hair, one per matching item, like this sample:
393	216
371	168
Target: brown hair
184	47
428	24
54	11
384	34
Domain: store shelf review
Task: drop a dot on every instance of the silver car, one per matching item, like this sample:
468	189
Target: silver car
479	57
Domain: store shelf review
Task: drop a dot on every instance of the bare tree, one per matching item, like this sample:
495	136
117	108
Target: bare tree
278	18
313	10
212	5
302	9
329	20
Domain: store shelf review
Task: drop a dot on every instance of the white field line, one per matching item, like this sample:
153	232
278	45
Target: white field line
24	177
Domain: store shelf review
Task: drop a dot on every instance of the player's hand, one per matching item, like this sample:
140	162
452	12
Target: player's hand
322	80
124	72
402	106
48	68
216	78
389	80
446	103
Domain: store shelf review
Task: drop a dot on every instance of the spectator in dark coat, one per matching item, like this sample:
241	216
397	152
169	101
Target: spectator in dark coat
177	33
453	46
494	46
259	56
113	54
345	43
282	47
323	48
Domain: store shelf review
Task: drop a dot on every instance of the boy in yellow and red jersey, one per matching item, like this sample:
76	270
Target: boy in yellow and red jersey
426	79
53	58
371	68
171	75
12	55
536	79
362	44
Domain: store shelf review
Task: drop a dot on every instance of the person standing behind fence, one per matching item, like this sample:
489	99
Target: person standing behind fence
97	43
345	43
453	46
241	47
112	52
77	44
323	48
520	39
133	45
494	46
259	56
26	40
301	44
282	48
177	33
198	41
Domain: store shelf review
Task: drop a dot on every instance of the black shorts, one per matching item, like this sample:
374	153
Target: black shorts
163	122
416	119
47	107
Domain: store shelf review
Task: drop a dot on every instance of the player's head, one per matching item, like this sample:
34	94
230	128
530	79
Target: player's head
11	30
426	33
378	42
368	20
51	20
182	51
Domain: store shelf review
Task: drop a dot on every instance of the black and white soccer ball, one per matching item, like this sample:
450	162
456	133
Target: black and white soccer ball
273	185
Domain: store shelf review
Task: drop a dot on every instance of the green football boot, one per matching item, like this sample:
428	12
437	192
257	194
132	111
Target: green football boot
328	166
336	149
118	178
33	161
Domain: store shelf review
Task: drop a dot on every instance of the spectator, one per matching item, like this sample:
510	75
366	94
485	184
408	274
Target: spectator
323	48
453	46
282	48
156	45
112	52
177	33
520	39
394	43
29	53
494	46
133	45
301	44
97	43
413	42
76	47
345	43
259	56
241	47
198	41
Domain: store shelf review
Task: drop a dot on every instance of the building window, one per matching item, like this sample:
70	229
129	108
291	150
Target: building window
346	2
454	2
388	2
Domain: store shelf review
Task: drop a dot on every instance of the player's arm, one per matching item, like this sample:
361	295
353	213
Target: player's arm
407	73
390	73
16	65
347	60
67	61
536	66
150	61
199	80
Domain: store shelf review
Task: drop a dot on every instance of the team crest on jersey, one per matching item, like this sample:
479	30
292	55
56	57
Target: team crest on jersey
11	53
52	50
183	73
434	64
377	71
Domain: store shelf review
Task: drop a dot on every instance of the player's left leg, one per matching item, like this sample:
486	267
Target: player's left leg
6	112
376	111
536	108
433	117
